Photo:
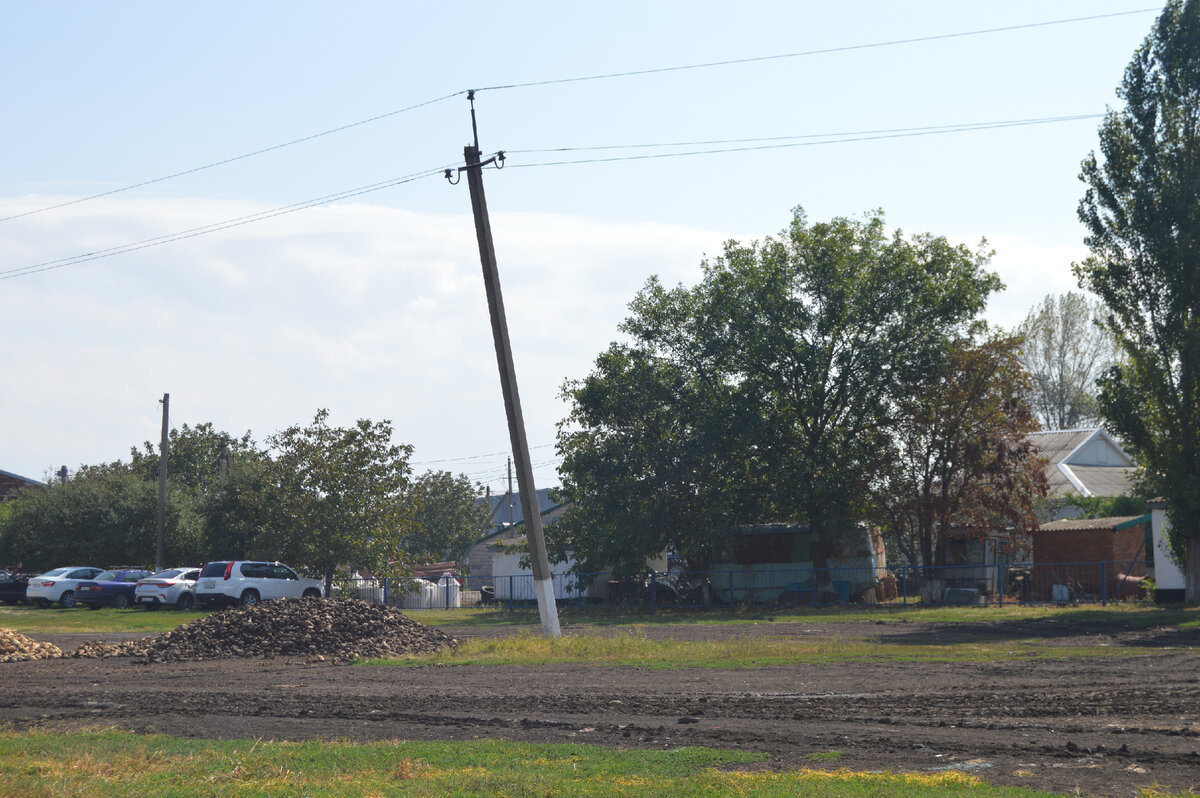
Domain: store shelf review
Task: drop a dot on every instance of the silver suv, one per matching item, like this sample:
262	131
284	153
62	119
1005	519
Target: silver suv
247	582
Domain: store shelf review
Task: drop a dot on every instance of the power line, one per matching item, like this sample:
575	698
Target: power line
475	456
823	51
25	271
946	128
865	137
234	159
577	79
780	142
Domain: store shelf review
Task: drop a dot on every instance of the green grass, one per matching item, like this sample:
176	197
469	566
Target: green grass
80	620
106	762
631	648
1129	615
824	756
55	620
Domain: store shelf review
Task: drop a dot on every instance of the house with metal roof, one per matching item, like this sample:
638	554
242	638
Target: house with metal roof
1084	462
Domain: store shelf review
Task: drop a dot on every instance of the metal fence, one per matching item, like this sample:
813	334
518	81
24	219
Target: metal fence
725	587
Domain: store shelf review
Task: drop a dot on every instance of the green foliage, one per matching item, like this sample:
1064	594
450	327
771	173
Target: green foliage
337	496
961	455
1108	506
194	456
1064	350
763	394
104	516
330	497
448	516
1142	212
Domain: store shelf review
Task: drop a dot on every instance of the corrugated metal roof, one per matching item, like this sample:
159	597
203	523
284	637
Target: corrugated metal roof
1055	446
1104	480
11	475
1084	480
499	503
1114	523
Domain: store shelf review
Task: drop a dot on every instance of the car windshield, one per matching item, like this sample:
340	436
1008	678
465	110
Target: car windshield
105	576
56	572
168	574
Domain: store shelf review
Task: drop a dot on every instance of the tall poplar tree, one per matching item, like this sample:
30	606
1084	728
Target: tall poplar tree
1142	212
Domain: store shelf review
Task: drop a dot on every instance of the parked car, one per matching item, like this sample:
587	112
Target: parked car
172	588
58	585
249	582
12	587
113	588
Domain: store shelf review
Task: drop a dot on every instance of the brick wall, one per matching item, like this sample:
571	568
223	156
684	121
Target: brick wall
1076	550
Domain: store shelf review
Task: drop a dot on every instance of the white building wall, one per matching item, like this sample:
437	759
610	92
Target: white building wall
1167	574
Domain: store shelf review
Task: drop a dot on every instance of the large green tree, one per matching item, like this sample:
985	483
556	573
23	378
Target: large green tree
764	393
1142	212
1064	350
337	496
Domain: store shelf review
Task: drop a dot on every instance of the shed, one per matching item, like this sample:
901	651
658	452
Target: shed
1070	552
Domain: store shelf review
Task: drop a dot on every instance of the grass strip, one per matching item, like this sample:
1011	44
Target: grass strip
1131	615
80	620
631	648
108	762
55	620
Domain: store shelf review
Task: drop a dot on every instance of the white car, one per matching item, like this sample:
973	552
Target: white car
171	588
58	585
247	582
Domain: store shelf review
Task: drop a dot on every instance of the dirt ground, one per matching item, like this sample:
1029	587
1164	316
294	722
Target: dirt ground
1104	726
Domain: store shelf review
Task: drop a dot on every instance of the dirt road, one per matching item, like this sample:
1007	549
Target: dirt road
1102	725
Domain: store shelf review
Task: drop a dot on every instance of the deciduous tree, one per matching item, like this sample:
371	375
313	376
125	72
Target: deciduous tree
449	516
102	516
962	458
1142	213
336	496
1065	350
762	394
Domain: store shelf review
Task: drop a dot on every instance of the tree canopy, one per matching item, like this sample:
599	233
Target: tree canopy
337	496
448	516
319	497
961	456
765	393
1142	213
1065	350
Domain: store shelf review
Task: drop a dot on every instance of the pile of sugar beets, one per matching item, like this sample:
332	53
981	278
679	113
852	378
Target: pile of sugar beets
335	630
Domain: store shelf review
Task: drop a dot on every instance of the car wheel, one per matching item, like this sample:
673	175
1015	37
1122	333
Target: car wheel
120	601
312	592
184	602
249	598
67	599
42	603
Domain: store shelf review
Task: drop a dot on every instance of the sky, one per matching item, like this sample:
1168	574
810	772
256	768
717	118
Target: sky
371	304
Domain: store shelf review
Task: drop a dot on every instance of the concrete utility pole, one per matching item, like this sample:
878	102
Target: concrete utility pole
160	523
543	585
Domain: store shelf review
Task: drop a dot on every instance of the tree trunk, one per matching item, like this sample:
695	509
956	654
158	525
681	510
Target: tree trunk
1191	571
823	583
328	584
